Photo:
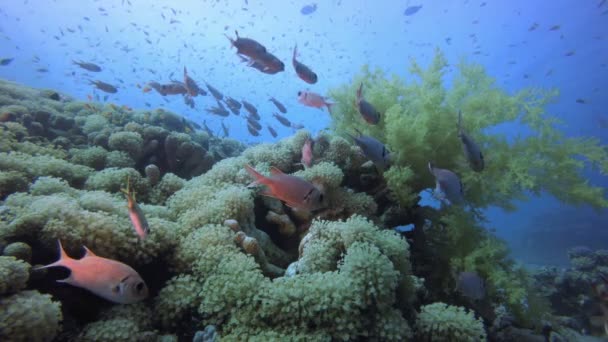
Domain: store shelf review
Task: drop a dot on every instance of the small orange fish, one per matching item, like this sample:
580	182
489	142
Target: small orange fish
294	191
107	278
307	153
138	219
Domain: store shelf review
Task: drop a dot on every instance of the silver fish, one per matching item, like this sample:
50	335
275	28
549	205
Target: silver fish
448	186
470	148
374	150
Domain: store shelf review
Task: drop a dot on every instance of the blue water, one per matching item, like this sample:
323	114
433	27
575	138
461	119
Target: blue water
335	40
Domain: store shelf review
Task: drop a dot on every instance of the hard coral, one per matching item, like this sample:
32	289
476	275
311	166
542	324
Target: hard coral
445	323
29	316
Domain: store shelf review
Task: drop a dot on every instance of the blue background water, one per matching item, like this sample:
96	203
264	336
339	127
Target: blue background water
335	41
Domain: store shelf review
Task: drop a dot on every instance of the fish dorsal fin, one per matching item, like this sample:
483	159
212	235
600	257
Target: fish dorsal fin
88	253
276	172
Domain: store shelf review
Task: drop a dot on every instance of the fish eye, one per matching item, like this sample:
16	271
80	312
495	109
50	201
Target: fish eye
299	93
139	286
116	289
320	197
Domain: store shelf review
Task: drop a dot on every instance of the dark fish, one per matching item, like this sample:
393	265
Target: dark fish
554	28
254	123
374	150
302	70
283	120
366	109
216	93
279	105
533	27
191	86
447	185
219	110
189	101
207	129
174	88
308	9
6	61
569	53
233	105
105	87
253	112
42	70
247	46
581	101
411	10
471	285
225	129
88	66
252	130
471	151
272	131
271	64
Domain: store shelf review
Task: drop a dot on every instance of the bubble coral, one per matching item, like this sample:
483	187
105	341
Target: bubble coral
29	316
446	323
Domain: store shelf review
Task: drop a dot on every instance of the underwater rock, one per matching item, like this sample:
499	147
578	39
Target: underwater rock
152	174
208	335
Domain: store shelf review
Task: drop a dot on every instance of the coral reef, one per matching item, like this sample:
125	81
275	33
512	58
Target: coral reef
222	261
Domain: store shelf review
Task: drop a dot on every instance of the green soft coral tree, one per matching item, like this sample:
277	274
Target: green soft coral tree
419	124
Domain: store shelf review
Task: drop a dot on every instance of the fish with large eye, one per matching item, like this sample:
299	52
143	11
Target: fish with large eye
470	148
294	191
107	278
366	109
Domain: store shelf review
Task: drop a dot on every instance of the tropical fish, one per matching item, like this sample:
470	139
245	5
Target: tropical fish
173	88
411	10
279	105
302	70
254	123
294	191
191	87
6	61
216	93
88	66
138	219
105	87
253	112
272	131
471	285
189	101
107	278
233	105
554	28
219	110
308	9
447	185
470	148
533	27
283	120
247	46
374	150
315	100
296	125
270	63
225	129
306	159
252	130
366	109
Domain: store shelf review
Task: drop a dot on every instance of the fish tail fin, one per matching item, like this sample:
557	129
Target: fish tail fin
431	167
360	91
63	258
259	178
295	51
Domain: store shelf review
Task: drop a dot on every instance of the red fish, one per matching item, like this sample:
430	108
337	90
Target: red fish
247	46
302	70
138	219
293	191
307	153
315	100
106	278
